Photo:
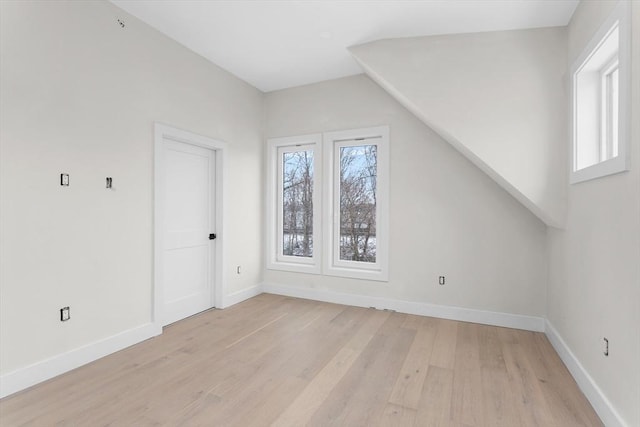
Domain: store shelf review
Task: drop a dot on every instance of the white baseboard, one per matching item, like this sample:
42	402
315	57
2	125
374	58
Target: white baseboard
20	379
28	376
516	321
598	400
242	295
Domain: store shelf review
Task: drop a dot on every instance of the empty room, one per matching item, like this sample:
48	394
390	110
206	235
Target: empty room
340	212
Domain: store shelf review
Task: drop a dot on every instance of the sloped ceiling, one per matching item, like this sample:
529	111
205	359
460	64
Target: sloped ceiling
498	98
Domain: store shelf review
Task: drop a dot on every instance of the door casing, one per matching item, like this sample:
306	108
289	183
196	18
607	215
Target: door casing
162	132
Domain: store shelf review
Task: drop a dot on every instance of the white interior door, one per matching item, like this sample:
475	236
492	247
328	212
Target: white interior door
189	218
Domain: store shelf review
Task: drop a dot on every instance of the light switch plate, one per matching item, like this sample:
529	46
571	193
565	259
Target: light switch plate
64	179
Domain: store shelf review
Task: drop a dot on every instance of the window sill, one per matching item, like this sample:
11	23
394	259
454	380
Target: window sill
352	273
294	267
599	170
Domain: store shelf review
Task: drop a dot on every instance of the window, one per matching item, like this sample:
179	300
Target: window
354	240
294	204
357	200
600	102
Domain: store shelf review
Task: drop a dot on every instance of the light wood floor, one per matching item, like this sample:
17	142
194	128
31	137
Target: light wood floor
282	361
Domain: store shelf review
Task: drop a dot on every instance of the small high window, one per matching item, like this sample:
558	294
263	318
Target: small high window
600	101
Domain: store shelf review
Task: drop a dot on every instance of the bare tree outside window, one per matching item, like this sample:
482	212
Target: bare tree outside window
358	180
297	203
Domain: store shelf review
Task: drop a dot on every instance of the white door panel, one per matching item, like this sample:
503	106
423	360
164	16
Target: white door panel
188	254
185	273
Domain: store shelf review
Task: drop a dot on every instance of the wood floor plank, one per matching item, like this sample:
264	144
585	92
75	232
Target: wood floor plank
413	322
251	368
498	401
369	379
307	403
275	360
528	397
443	354
269	407
467	397
408	387
366	406
490	349
567	406
396	416
435	406
287	359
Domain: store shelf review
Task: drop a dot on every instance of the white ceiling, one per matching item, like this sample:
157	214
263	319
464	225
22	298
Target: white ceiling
279	44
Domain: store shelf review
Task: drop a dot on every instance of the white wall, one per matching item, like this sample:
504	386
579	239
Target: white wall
594	265
80	95
498	97
446	216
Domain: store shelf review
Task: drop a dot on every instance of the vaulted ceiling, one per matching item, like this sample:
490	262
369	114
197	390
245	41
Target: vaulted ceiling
279	44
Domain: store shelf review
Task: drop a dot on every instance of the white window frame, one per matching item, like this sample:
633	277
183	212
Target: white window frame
620	163
275	258
606	108
333	265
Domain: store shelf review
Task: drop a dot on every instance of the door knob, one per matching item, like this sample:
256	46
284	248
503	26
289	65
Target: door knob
212	236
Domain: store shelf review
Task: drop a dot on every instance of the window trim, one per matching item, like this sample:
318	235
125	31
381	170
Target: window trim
620	18
336	160
333	266
606	108
275	260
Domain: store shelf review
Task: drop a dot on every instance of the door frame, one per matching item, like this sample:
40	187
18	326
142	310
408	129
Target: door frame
162	131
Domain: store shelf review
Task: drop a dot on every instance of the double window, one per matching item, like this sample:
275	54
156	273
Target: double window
328	203
600	101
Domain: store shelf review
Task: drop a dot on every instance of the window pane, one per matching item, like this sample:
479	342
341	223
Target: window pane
614	113
297	203
358	173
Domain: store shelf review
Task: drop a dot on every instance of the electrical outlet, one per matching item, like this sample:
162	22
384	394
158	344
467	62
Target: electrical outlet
605	346
441	280
238	270
65	314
